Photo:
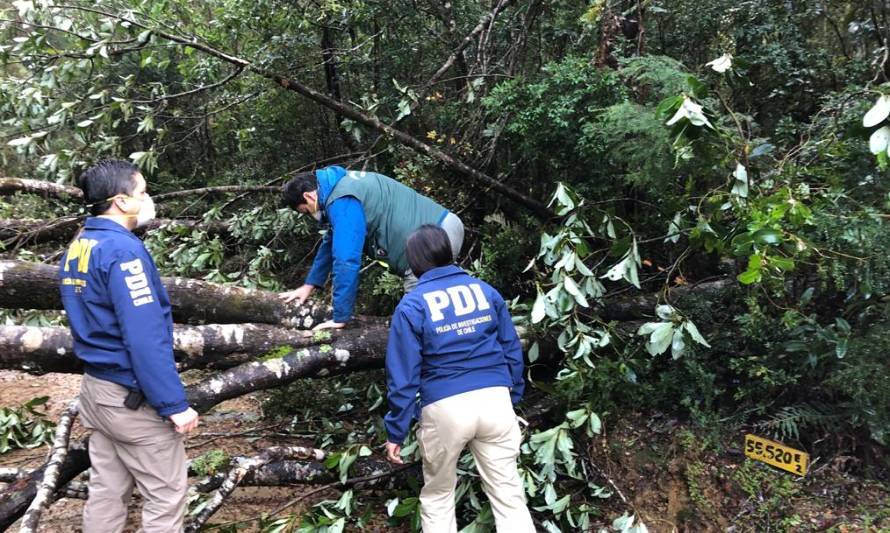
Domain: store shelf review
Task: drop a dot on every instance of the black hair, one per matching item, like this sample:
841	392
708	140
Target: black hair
427	248
292	192
104	180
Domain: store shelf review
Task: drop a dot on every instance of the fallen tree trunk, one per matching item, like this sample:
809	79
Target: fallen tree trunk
31	231
366	349
643	305
43	188
241	467
16	497
244	189
26	285
359	353
39	350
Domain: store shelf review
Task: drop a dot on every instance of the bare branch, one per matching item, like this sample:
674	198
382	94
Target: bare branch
53	469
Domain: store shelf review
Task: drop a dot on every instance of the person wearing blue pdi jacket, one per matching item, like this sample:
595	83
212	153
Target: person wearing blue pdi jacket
452	341
366	211
131	396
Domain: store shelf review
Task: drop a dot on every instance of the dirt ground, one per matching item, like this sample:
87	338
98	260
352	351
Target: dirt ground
219	429
677	480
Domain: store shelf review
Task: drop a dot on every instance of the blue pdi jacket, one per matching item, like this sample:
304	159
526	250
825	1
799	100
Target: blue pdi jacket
453	334
120	314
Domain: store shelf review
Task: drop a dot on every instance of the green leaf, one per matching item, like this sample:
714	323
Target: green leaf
665	312
391	506
577	418
767	236
782	263
840	348
879	140
678	344
693	332
533	353
596	425
660	338
539	309
878	113
560	505
748	277
404	109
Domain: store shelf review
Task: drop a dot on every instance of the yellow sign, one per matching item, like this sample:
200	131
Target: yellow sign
777	454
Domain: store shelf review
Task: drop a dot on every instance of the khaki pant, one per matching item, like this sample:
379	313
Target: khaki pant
130	448
485	420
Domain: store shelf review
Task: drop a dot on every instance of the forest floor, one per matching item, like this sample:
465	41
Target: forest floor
674	478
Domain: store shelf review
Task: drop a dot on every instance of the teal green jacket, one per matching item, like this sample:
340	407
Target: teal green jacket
367	212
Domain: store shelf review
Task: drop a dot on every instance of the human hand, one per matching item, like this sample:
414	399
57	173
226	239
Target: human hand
185	421
393	452
330	324
299	295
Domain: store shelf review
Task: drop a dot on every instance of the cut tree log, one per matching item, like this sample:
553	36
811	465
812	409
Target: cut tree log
26	285
40	350
43	188
50	480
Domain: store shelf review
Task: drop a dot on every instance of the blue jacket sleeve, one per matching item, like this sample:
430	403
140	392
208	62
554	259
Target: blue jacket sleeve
509	340
348	241
141	319
403	360
321	265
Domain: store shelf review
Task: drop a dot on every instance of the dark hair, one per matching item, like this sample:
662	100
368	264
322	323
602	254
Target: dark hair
427	248
292	192
104	180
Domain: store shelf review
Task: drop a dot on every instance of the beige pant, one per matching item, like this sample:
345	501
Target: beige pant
485	420
130	448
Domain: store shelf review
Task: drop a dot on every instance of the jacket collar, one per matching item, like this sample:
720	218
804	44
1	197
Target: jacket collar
327	180
440	272
99	223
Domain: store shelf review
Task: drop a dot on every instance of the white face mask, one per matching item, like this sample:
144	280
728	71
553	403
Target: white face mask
317	216
147	213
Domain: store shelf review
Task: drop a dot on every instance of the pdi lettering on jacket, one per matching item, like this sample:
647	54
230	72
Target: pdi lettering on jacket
137	282
462	298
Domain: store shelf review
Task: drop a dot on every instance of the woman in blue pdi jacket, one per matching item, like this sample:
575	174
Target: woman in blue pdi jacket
452	340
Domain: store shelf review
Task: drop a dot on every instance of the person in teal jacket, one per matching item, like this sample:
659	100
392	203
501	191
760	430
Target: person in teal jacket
367	212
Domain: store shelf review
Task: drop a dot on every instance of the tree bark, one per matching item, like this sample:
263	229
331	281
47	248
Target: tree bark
246	189
39	350
241	467
44	188
643	305
362	351
53	468
26	285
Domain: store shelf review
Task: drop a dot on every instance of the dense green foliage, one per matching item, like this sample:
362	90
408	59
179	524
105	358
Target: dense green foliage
739	141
